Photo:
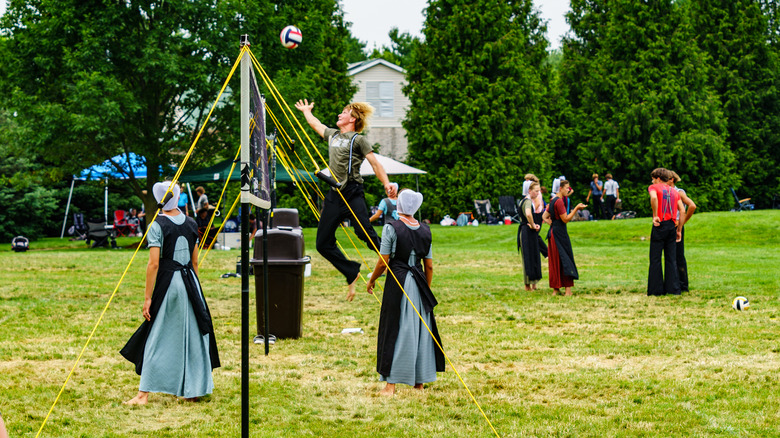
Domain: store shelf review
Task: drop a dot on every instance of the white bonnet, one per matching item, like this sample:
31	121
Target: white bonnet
409	202
159	191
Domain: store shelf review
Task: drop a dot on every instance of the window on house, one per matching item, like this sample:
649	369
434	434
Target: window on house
380	96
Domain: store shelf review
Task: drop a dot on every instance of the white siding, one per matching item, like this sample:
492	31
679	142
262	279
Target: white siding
381	73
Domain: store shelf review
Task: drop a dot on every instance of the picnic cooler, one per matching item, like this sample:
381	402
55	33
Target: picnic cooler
286	265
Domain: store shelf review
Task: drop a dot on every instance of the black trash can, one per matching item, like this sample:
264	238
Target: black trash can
286	264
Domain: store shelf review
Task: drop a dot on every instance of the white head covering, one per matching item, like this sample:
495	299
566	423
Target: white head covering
409	202
159	191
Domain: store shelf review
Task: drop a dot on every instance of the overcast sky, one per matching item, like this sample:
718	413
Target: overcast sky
372	19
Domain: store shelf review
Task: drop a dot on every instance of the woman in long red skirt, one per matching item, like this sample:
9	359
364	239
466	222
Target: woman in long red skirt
563	270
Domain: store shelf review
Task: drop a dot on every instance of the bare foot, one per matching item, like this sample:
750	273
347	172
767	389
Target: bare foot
388	390
533	287
568	291
141	399
556	291
351	292
528	288
418	386
191	399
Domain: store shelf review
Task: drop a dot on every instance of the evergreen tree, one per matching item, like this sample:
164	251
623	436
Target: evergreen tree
746	75
477	92
400	50
638	89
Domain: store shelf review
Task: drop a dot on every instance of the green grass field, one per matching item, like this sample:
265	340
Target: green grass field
608	361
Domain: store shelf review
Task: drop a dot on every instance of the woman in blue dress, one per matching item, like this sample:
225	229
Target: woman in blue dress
174	350
406	351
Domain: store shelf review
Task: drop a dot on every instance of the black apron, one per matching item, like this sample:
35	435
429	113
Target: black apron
562	242
531	244
407	239
134	349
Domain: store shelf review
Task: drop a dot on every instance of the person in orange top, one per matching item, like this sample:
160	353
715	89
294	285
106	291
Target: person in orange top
664	203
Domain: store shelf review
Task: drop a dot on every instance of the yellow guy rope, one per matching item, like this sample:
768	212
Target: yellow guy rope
386	264
219	202
111	297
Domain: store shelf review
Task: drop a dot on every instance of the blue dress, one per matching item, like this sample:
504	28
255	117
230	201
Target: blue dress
175	352
414	359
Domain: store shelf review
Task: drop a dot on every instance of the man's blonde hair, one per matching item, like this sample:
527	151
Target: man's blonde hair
361	111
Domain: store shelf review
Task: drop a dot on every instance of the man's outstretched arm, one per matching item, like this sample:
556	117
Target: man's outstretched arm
305	107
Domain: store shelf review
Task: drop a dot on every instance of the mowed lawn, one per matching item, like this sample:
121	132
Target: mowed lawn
608	361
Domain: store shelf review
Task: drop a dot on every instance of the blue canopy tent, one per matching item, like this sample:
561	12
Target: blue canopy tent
129	163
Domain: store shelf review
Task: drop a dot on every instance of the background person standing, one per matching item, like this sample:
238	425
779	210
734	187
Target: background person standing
664	203
529	243
560	260
683	215
611	195
595	190
184	201
387	209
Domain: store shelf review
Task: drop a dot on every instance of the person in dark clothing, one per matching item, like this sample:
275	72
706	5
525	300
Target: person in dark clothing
596	187
683	215
562	269
666	232
174	349
346	149
406	351
529	242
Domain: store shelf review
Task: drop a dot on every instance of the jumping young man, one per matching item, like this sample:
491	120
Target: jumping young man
346	151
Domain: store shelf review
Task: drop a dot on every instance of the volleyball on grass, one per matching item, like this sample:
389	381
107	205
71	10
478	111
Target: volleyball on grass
740	303
291	37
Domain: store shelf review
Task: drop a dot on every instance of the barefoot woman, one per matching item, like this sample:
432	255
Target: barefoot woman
562	269
406	352
174	350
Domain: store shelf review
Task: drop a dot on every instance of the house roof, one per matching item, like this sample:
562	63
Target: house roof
357	67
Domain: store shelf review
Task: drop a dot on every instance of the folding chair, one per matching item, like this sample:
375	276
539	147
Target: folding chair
508	207
741	204
79	227
482	207
120	222
100	234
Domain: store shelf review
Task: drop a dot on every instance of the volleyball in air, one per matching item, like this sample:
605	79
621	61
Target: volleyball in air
291	37
740	303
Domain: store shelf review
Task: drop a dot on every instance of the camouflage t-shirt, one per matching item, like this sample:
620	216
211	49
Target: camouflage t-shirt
338	154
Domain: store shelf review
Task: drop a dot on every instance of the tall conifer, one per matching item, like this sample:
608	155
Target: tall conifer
639	96
477	88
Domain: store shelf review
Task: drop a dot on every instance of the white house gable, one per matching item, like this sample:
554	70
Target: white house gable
380	83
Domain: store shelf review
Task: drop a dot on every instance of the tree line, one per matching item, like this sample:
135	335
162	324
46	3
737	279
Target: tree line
690	85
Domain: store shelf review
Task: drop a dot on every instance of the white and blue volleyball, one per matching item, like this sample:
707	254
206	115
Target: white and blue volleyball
740	303
291	37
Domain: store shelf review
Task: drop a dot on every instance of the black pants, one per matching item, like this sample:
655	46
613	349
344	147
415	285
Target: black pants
334	212
598	207
663	241
610	204
682	265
